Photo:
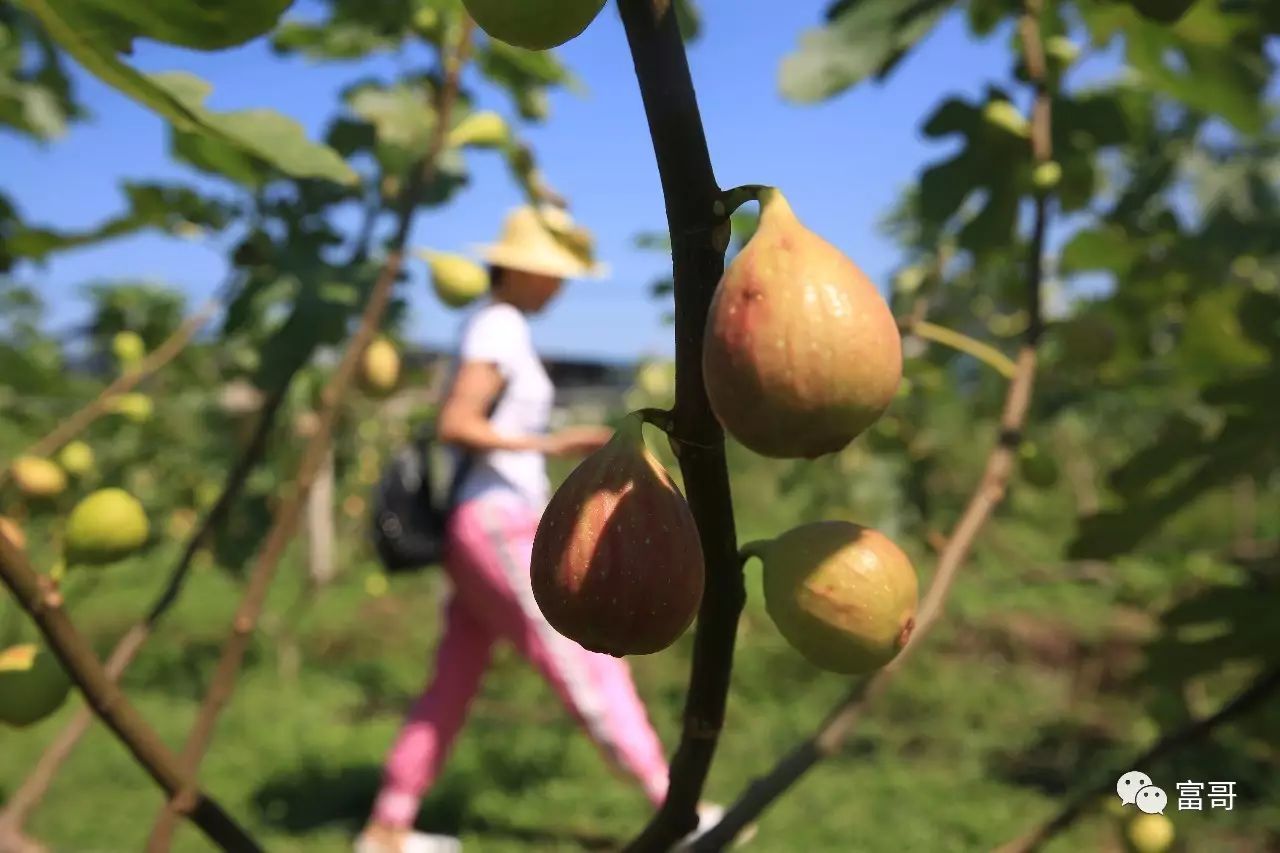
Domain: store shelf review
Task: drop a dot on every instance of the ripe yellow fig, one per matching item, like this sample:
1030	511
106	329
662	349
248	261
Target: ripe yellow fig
104	527
76	458
842	595
134	405
32	685
1046	175
534	24
485	129
13	532
617	564
1006	116
128	348
801	352
380	367
457	280
37	477
1149	833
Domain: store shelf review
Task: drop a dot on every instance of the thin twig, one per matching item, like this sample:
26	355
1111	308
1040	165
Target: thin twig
40	598
285	523
22	801
126	382
699	238
983	352
982	504
1246	700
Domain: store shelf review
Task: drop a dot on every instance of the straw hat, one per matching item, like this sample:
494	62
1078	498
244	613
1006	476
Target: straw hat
527	244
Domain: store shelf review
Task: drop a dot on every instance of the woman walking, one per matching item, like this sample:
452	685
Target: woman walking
490	538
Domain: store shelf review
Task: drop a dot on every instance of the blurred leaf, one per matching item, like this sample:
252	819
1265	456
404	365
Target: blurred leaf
861	38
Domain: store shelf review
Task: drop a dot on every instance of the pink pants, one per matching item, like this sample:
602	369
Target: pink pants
490	541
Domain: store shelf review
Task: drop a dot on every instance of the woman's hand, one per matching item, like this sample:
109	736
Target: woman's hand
576	441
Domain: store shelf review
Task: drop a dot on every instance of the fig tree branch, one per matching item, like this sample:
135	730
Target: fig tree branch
22	801
699	238
1260	689
285	523
990	491
80	420
983	352
39	596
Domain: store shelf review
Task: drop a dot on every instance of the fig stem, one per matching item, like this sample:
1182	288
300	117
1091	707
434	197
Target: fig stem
731	200
754	548
983	352
661	418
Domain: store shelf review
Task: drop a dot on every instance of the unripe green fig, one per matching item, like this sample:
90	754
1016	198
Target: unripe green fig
1006	116
128	348
1046	176
32	685
37	477
801	353
134	405
617	564
1149	833
457	280
1061	50
76	458
380	367
104	527
13	532
534	24
484	129
842	595
1036	466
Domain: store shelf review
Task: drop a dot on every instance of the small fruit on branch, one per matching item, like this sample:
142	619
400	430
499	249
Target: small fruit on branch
128	348
457	279
133	405
104	527
534	24
484	129
76	458
380	368
842	595
37	477
617	563
32	685
801	352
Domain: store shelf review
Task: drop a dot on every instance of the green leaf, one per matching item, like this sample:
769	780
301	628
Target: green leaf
861	39
207	25
402	119
179	97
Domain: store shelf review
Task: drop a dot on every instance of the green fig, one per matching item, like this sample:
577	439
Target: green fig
105	527
484	129
1149	833
801	353
380	367
37	477
617	563
76	458
134	406
842	595
1006	116
1046	176
1037	467
534	24
32	685
1061	50
457	280
128	348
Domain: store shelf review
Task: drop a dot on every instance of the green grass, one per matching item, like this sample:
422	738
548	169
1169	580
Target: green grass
974	743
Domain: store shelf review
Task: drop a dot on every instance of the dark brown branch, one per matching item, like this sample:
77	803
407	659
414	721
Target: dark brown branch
698	242
39	597
982	504
96	408
285	522
28	795
1251	697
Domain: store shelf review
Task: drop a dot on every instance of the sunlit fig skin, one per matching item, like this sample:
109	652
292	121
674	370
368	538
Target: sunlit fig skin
842	595
380	368
617	565
801	353
32	685
534	24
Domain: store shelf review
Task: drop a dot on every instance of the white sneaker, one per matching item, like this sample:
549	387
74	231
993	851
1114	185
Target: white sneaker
710	814
411	842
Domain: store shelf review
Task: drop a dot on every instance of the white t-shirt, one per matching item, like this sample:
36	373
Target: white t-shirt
499	334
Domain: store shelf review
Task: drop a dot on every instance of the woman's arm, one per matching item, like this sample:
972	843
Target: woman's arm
464	419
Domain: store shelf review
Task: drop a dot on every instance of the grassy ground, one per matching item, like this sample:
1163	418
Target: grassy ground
974	743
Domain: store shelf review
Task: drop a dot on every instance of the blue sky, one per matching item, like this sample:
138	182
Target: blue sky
842	163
